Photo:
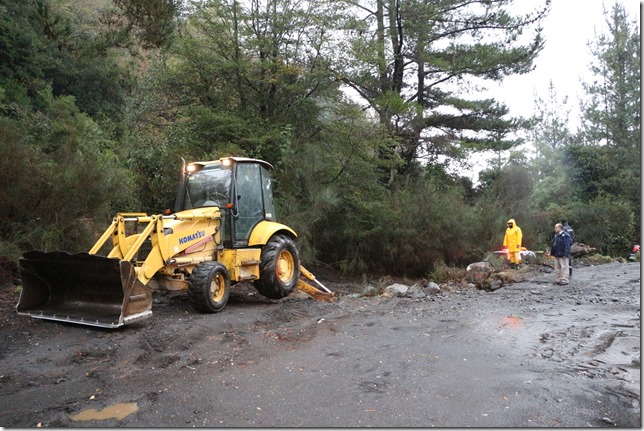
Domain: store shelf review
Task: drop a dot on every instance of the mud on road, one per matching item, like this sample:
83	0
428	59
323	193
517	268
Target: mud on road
529	354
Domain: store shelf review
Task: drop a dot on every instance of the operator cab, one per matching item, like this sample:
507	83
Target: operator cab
240	187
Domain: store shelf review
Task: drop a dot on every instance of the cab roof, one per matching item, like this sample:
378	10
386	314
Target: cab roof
235	159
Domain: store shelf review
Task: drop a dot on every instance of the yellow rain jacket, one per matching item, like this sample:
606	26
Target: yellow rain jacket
513	237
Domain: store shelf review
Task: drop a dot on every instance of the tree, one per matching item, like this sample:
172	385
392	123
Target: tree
252	78
550	134
611	162
146	23
550	137
409	61
260	66
611	114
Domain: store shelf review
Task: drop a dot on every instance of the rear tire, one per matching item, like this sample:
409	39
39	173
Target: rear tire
279	268
209	287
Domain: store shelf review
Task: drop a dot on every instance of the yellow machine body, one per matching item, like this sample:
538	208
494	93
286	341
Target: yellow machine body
147	252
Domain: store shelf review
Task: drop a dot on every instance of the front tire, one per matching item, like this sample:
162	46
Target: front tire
209	287
279	268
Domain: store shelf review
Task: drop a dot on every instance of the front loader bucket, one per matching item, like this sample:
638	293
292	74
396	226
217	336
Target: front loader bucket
82	288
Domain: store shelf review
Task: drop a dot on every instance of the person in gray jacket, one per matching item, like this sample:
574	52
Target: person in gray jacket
570	231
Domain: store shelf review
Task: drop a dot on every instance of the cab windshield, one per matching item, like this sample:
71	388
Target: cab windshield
209	187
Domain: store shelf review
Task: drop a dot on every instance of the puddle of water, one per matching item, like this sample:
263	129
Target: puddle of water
115	411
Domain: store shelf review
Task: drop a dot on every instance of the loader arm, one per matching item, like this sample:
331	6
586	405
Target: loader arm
164	247
110	291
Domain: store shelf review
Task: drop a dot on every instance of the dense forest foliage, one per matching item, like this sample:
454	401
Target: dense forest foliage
368	109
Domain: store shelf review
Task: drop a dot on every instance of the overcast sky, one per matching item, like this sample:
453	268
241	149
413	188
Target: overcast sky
565	60
566	57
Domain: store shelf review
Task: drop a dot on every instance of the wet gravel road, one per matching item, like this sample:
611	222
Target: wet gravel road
528	354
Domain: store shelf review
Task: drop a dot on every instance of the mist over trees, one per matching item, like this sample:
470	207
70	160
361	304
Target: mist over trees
366	108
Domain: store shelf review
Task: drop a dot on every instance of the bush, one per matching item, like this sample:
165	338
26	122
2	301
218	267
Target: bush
58	173
607	223
443	273
426	223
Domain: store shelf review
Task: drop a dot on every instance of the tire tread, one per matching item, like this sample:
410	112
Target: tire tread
269	284
199	290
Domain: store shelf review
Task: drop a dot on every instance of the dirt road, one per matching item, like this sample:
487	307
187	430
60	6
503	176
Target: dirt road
528	354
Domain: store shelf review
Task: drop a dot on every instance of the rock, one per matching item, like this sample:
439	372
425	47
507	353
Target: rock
609	421
578	249
369	291
432	288
478	273
505	277
416	292
397	290
495	284
528	256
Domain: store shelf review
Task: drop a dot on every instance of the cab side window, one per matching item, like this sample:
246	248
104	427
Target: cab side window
249	209
267	187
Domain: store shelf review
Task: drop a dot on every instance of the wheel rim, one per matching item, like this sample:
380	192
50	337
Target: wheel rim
217	288
285	266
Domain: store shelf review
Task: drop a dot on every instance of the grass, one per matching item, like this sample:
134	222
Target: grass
596	259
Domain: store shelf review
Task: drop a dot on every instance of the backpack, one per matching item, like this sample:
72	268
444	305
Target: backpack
570	231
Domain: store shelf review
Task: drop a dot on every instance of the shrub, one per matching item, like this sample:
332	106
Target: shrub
607	223
443	273
57	169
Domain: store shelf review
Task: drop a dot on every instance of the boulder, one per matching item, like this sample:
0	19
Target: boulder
397	290
369	291
478	273
432	288
416	292
578	249
504	277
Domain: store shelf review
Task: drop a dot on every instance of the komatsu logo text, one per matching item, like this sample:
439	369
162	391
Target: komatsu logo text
197	235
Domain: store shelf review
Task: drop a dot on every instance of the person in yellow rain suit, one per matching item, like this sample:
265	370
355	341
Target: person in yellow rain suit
512	241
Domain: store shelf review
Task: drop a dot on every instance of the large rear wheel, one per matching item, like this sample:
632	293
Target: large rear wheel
279	268
209	287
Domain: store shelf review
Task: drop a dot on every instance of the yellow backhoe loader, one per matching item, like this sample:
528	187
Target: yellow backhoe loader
222	231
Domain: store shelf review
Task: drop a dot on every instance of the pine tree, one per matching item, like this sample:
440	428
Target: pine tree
605	169
413	62
612	113
550	134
